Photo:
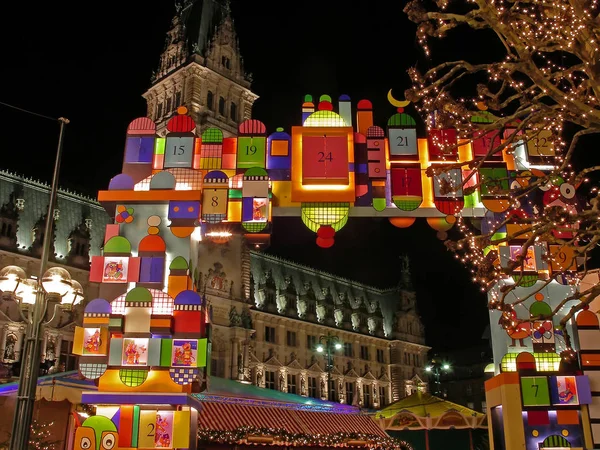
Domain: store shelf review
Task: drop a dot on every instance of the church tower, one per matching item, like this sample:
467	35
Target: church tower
202	69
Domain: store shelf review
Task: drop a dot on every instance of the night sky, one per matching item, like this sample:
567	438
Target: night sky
92	63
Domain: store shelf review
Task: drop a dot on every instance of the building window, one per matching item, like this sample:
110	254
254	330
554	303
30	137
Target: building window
406	358
270	334
311	342
470	405
332	393
291	338
210	101
367	395
168	108
483	406
364	352
270	379
350	392
348	349
382	396
221	106
159	110
233	111
380	356
66	355
291	381
312	387
217	368
226	62
178	99
469	390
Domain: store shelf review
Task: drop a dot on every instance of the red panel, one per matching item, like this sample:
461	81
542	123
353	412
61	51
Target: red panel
141	125
111	230
376	157
447	138
406	181
126	426
481	145
229	146
97	269
252	127
188	322
312	147
181	124
324	158
133	273
537	418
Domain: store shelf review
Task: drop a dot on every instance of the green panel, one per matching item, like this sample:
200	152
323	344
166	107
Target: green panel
138	294
256	172
212	136
135	426
540	309
493	178
401	120
202	352
117	244
535	391
251	152
234	194
179	263
115	322
159	146
115	352
154	352
165	352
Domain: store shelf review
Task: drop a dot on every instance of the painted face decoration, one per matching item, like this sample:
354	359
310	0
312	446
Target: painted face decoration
96	433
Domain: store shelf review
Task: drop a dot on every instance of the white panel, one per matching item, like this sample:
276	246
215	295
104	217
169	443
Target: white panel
594	377
179	151
589	340
137	320
594	408
596	432
403	141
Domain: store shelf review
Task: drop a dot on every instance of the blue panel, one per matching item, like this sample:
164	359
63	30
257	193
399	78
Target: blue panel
157	270
115	352
247	209
139	150
184	210
145	269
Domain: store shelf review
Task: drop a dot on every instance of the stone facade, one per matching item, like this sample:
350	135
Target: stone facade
78	234
201	68
270	337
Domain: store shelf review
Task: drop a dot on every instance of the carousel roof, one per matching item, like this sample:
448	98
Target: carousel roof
422	404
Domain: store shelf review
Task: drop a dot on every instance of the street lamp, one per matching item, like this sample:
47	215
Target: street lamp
328	344
437	368
58	285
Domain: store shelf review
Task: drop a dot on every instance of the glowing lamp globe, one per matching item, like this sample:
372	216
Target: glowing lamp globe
10	277
26	291
57	281
338	346
320	349
74	296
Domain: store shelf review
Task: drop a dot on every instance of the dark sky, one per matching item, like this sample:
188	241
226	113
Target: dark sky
90	62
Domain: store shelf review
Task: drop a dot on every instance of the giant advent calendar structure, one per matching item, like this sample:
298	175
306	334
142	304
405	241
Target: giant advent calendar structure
149	345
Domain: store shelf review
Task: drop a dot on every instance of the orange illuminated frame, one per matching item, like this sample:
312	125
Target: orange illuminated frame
321	192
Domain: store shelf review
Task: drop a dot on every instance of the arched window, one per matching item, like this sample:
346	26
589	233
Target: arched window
221	106
233	112
210	100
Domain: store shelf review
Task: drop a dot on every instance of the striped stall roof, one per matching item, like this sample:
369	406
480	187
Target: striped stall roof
228	417
252	126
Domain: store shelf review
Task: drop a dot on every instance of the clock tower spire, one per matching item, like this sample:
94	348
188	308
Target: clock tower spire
201	68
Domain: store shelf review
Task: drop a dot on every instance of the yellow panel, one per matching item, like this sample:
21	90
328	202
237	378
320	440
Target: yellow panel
103	348
234	212
279	148
214	201
157	381
147	429
426	182
78	341
210	163
181	429
282	194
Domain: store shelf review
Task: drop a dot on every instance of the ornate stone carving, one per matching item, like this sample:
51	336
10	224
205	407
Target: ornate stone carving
234	317
217	279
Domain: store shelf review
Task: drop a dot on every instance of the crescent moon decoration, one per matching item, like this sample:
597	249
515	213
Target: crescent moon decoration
397	103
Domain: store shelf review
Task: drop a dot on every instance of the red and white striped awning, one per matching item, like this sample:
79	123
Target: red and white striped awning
229	417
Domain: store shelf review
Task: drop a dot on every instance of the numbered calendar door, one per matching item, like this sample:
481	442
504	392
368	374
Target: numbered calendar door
325	160
214	201
403	142
179	151
251	152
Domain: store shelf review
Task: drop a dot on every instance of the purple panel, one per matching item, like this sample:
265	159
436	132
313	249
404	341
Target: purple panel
583	390
279	174
145	269
121	182
184	210
99	306
344	98
139	150
350	167
361	168
188	298
247	209
157	270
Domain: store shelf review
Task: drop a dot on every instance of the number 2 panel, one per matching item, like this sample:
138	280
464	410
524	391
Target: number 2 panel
325	159
403	142
179	151
251	152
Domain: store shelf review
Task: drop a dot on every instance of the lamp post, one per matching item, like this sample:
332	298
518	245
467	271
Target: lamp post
53	283
437	368
328	344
